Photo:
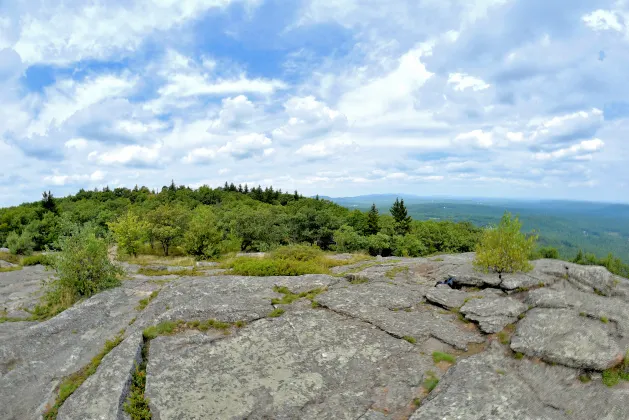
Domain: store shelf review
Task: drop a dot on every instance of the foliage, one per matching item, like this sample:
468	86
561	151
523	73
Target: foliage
82	268
545	252
144	302
408	246
8	269
129	232
379	244
347	239
276	313
74	381
373	221
430	382
246	266
167	224
439	356
36	259
13	259
613	264
402	219
137	404
20	244
202	238
505	249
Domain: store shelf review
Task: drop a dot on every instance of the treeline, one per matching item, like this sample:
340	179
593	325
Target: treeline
207	222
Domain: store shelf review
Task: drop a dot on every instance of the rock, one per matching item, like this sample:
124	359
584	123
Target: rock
251	254
493	386
395	309
5	250
102	395
206	264
6	264
493	314
21	289
562	336
454	299
313	364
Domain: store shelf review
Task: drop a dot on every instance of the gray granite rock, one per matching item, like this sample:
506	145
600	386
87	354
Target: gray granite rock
102	395
494	386
493	314
309	365
563	336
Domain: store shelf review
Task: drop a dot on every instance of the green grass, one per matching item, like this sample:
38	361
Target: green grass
74	381
504	336
392	273
144	302
357	279
163	328
500	372
439	356
611	377
36	259
518	356
585	378
8	269
604	320
430	382
289	297
276	313
155	273
410	339
137	404
13	259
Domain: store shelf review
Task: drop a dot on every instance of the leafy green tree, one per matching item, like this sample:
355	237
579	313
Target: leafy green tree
408	246
505	249
379	244
20	244
402	221
348	240
203	237
373	221
130	232
167	224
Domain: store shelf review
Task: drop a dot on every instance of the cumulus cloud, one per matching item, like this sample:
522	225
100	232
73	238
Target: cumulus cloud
476	138
133	155
309	118
57	179
462	81
580	151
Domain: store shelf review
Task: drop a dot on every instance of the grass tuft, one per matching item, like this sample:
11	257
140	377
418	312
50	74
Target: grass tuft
137	404
289	297
410	339
430	382
8	269
144	302
439	356
156	273
276	313
392	273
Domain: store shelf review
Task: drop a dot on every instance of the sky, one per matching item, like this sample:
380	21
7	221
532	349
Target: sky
486	98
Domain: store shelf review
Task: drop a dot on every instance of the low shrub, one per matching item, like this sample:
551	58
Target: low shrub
262	267
38	259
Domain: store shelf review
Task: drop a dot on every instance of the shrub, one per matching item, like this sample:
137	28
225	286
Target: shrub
270	267
408	246
297	253
20	244
348	240
505	249
82	267
379	244
548	252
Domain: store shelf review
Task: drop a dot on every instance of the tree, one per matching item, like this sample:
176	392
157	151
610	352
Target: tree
348	240
167	223
505	249
48	202
129	232
402	221
373	221
202	238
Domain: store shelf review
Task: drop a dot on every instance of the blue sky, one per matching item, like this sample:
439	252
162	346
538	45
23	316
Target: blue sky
496	98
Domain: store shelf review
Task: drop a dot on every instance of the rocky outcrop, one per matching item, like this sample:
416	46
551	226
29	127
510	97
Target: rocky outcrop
358	347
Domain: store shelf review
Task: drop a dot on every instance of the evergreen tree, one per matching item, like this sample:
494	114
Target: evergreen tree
48	202
226	186
402	221
373	221
296	196
172	187
246	190
232	187
240	190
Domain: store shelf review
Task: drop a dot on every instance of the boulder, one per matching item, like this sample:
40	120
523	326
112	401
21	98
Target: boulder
493	314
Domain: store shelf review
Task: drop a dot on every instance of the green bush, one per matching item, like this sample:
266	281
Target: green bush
82	268
348	240
297	253
262	267
20	244
379	244
545	252
129	232
408	246
505	249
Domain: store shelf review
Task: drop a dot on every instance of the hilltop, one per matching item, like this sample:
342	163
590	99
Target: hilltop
375	339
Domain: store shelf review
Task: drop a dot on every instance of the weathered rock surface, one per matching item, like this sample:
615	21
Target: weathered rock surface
493	314
345	355
563	336
494	386
103	394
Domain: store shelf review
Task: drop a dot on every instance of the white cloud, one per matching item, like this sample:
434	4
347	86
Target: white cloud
134	155
247	146
63	32
462	81
327	149
309	117
201	155
235	113
580	151
601	20
182	86
57	179
77	143
477	138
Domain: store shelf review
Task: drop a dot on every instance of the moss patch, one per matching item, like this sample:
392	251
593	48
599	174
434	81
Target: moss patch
439	356
144	302
289	297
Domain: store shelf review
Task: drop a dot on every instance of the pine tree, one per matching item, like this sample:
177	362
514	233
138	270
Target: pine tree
246	190
48	202
402	221
296	196
373	221
226	186
172	187
240	190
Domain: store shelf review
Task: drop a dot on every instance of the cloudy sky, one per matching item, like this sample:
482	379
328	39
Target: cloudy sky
497	98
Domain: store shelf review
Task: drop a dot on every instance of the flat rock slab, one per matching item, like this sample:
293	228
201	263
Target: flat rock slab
21	289
102	395
494	386
563	336
313	364
453	299
493	314
396	310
